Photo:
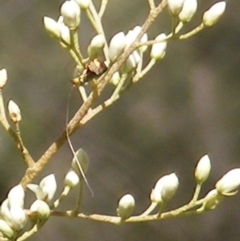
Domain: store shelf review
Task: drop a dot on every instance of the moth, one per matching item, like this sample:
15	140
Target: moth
91	71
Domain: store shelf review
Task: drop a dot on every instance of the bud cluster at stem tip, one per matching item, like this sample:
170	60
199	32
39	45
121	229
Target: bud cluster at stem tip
12	212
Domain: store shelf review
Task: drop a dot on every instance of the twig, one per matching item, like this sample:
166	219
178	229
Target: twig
179	212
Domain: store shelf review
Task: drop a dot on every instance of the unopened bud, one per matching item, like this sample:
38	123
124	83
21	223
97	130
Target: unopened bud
156	196
5	209
126	206
71	179
213	199
228	185
17	218
117	46
188	10
133	34
3	77
70	12
131	63
144	39
52	27
95	49
214	13
166	186
203	169
159	49
65	36
115	79
5	229
175	6
14	112
41	208
16	196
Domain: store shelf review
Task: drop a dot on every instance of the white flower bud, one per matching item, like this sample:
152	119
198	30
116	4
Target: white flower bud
81	158
166	186
49	186
16	196
41	208
129	38
65	35
70	12
203	169
136	30
52	27
14	112
71	179
144	39
115	79
137	56
83	4
126	206
3	77
213	199
188	10
5	209
18	218
156	196
214	13
95	48
159	49
5	229
131	63
117	46
14	215
228	185
132	35
175	6
65	38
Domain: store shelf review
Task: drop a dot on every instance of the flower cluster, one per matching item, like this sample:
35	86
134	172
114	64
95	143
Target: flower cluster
122	59
102	56
166	187
14	216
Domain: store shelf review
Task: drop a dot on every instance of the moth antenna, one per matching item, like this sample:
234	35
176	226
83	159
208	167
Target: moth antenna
72	149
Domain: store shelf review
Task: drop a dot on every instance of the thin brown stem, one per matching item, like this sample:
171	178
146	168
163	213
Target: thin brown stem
179	212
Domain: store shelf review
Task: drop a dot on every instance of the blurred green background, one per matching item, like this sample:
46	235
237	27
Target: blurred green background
189	105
